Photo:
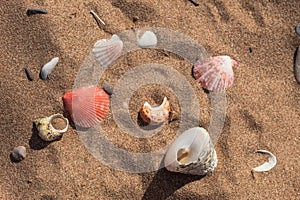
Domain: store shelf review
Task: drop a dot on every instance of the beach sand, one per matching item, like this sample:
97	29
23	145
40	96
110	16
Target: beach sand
262	104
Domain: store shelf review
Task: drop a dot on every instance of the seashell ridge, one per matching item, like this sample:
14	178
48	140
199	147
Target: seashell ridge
107	51
87	105
216	73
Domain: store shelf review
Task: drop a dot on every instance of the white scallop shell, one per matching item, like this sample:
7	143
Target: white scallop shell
46	131
192	153
107	51
147	40
267	165
48	67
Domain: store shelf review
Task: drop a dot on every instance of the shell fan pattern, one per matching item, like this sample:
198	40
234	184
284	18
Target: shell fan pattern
216	73
87	105
107	51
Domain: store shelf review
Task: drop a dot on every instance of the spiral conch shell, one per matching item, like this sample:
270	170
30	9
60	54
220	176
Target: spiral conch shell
192	153
46	131
155	115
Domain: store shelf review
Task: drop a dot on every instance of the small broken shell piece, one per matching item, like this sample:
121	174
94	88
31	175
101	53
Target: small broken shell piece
267	165
192	153
155	115
45	128
147	40
48	67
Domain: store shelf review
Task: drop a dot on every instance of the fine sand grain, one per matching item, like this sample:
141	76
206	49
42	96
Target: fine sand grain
262	105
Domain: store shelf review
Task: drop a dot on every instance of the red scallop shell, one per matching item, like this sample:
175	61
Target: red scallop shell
87	105
215	74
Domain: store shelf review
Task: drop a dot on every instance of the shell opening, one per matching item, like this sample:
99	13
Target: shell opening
183	155
53	123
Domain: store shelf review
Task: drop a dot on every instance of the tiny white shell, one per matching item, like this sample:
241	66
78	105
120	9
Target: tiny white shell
46	131
147	40
48	67
267	165
192	153
107	51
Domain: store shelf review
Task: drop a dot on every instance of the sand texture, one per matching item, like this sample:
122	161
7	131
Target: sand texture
262	104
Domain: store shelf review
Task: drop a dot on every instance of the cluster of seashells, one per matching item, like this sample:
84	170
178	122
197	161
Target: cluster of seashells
192	152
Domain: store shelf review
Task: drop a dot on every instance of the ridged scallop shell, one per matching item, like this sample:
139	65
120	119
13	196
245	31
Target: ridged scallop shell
107	51
192	153
46	131
87	105
155	115
216	73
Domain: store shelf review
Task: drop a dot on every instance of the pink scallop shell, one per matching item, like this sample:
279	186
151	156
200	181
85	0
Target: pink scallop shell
107	51
215	74
87	105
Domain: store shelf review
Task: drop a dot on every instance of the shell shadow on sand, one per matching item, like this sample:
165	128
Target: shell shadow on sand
35	142
165	183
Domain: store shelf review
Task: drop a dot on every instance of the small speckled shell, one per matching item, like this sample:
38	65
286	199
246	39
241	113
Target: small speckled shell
155	115
45	129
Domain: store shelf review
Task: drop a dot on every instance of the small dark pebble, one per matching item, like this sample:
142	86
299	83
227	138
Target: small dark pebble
18	153
108	88
297	29
194	2
33	11
29	74
250	50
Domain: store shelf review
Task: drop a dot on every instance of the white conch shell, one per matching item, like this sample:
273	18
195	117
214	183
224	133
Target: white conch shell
267	165
155	115
48	67
46	131
107	51
192	153
147	40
